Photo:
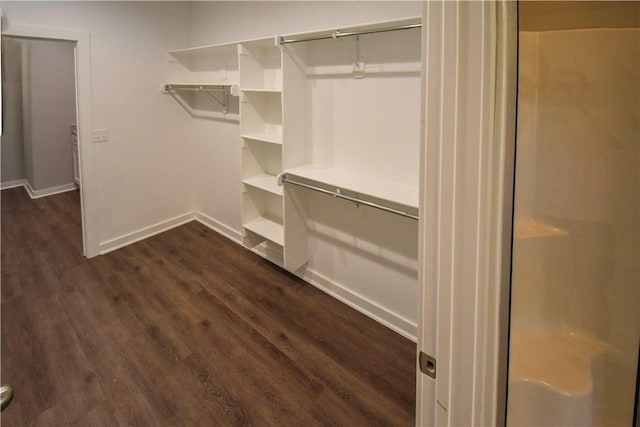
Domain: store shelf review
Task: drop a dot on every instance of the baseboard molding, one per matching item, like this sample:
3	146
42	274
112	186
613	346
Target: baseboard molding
219	227
369	308
12	184
36	194
144	233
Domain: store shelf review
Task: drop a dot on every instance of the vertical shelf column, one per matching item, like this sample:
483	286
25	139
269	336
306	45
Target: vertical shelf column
261	142
295	152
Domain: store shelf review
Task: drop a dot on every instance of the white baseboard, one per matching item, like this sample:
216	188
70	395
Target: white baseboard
369	308
36	194
219	227
144	233
12	184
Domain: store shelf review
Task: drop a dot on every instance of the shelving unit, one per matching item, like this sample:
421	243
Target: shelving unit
341	114
261	141
351	123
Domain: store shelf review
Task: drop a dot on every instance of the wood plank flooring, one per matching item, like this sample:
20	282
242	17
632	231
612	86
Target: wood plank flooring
184	328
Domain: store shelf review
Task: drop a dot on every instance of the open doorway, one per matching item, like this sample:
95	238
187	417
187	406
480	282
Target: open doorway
39	139
88	197
38	149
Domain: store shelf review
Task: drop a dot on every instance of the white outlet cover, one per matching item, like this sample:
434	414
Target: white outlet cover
100	135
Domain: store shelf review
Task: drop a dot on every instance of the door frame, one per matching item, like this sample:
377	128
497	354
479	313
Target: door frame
84	111
466	204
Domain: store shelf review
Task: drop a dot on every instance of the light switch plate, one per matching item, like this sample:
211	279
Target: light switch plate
100	135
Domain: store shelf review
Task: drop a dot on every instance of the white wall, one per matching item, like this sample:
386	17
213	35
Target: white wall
143	173
12	147
228	21
352	253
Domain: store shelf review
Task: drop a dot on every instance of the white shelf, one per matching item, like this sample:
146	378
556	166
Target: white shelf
268	229
272	138
402	194
213	49
245	89
264	182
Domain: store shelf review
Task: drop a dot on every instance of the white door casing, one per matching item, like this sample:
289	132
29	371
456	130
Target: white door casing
468	134
88	196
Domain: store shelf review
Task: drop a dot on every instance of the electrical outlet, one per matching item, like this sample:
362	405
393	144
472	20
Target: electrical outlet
100	135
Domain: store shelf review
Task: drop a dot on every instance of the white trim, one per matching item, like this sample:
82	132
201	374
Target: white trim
36	194
461	195
365	306
12	184
146	232
219	227
84	107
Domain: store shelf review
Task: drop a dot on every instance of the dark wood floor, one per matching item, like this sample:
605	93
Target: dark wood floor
185	328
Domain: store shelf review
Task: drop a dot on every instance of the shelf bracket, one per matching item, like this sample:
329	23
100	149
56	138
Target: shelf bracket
224	101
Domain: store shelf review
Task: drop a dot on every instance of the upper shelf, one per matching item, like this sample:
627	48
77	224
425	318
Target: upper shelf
401	194
213	49
222	49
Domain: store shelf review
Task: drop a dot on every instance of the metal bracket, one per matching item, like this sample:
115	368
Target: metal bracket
427	364
223	102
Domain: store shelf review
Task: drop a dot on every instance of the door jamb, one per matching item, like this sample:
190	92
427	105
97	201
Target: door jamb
84	111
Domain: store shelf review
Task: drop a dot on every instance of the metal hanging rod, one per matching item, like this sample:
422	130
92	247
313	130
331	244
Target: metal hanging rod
338	33
284	178
196	88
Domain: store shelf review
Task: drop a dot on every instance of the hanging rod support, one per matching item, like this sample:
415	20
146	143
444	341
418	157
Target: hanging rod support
282	178
337	34
223	103
196	88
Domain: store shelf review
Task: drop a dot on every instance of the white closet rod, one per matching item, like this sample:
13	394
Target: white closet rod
197	88
339	195
337	34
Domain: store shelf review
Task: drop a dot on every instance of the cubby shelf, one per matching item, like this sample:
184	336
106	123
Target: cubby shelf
402	194
271	138
264	182
268	229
